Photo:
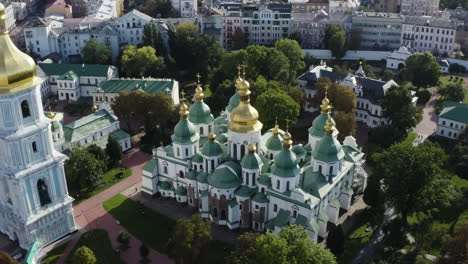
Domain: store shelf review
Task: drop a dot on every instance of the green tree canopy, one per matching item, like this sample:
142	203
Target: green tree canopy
114	151
296	35
97	152
189	238
276	105
141	62
83	169
335	40
422	69
459	160
152	38
159	8
293	52
453	91
96	53
413	177
84	255
292	246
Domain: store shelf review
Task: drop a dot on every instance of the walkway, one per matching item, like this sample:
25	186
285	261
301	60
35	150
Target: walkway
429	123
90	214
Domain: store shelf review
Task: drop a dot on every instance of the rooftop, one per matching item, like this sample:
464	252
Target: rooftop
455	111
79	69
151	86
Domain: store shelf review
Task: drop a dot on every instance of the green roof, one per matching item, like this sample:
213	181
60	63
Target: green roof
318	125
150	165
245	191
202	177
88	125
200	113
119	134
181	191
185	132
223	138
164	185
285	164
234	101
233	203
315	183
212	149
68	76
145	85
455	111
223	178
197	158
299	151
310	225
274	143
251	161
56	125
32	252
260	198
327	149
192	175
281	219
79	69
265	179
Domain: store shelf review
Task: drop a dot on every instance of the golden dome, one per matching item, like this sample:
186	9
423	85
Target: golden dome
329	127
287	140
183	111
17	69
276	130
252	148
211	137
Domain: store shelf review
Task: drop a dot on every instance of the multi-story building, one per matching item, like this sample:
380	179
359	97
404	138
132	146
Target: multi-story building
186	8
58	7
378	30
9	14
35	206
309	6
386	6
20	10
419	7
232	25
240	178
453	120
343	6
312	26
211	23
422	33
264	25
460	17
368	92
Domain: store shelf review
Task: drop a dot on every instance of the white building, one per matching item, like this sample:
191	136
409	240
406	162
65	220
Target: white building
368	92
419	7
397	59
186	8
108	90
102	9
429	34
343	6
9	15
20	10
453	120
34	201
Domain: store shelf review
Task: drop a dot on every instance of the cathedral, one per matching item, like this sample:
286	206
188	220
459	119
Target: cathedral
34	201
238	177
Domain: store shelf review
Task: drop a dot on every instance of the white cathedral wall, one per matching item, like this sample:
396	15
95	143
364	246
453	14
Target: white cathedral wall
240	140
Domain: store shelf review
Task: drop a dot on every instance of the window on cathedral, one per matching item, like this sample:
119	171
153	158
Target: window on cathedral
43	192
275	208
223	215
165	169
186	152
178	152
330	171
271	155
201	130
181	174
277	184
25	109
287	186
215	212
242	150
320	168
295	213
212	164
34	146
240	207
195	166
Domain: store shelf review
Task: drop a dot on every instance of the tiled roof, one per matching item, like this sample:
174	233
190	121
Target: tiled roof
455	111
151	86
79	69
119	134
69	75
150	165
429	21
88	125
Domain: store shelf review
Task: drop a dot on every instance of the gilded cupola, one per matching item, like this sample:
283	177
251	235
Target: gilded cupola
17	69
244	118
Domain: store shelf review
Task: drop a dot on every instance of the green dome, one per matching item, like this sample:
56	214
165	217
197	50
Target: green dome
197	158
164	185
185	132
299	151
212	149
328	149
274	143
265	179
56	125
245	191
318	125
285	164
192	175
260	198
224	178
251	161
202	177
200	113
223	138
181	191
234	101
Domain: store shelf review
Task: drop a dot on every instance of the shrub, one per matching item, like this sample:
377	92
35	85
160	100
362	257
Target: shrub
84	255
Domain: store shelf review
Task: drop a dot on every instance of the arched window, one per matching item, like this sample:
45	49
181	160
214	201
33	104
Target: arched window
277	184
181	174
165	169
212	164
275	208
43	192
215	212
201	130
178	152
320	168
330	171
223	215
287	185
186	152
234	153
25	109
263	189
242	151
34	146
253	178
271	155
195	166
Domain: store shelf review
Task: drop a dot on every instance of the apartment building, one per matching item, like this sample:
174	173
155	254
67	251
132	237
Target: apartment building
186	8
424	33
9	15
231	23
419	7
386	6
309	6
264	25
378	30
343	6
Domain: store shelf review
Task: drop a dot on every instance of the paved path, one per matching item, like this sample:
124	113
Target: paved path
90	214
429	123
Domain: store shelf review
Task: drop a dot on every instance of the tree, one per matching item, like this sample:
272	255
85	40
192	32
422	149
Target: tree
373	194
341	97
335	240
96	53
84	255
293	52
413	177
424	96
422	69
152	38
296	35
453	92
83	169
388	75
345	124
456	246
189	238
459	160
141	62
293	245
159	9
238	39
144	252
5	258
456	68
97	152
114	151
276	105
398	107
124	239
335	40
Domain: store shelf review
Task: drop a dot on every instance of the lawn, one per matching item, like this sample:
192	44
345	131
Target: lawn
145	224
98	241
154	229
110	178
410	138
53	255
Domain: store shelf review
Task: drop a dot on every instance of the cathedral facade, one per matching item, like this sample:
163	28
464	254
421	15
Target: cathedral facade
238	177
34	201
241	178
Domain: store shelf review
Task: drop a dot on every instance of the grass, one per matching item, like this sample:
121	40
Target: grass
148	226
110	178
54	255
98	241
355	240
410	138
